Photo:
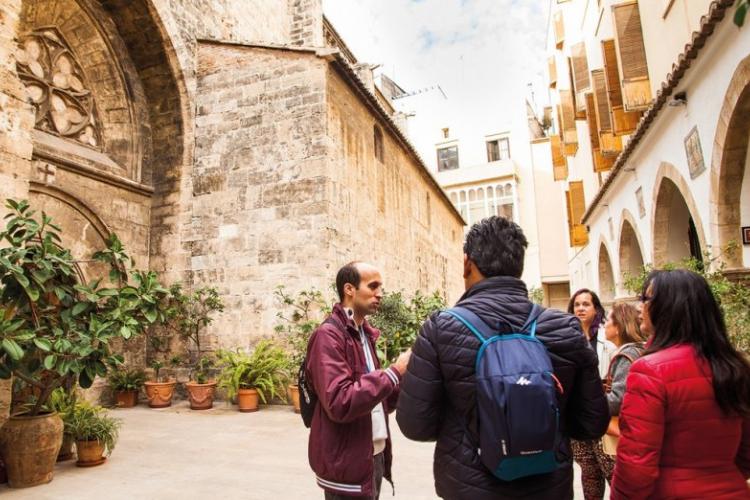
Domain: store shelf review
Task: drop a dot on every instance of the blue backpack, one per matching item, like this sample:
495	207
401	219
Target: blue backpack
516	399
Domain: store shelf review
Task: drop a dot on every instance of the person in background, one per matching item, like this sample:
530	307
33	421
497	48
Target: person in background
587	307
623	330
685	418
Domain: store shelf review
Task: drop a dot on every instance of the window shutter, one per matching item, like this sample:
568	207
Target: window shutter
552	69
559	163
601	163
636	89
559	29
567	117
576	208
581	80
609	143
623	122
579	111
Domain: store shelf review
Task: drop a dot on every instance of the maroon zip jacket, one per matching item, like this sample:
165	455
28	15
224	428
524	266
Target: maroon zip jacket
340	447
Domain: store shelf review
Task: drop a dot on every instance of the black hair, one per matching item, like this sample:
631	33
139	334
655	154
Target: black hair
600	312
683	310
497	247
347	274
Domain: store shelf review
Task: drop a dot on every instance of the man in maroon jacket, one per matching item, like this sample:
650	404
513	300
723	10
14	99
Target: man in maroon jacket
350	447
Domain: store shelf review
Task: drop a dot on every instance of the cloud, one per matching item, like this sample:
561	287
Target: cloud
483	53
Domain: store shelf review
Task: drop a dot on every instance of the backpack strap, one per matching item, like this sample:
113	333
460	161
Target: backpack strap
474	323
530	325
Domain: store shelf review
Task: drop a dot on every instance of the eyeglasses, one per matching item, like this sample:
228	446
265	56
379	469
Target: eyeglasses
645	298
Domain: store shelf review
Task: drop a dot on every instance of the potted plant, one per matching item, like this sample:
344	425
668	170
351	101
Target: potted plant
63	403
189	315
56	330
298	319
258	376
200	389
95	434
159	392
126	384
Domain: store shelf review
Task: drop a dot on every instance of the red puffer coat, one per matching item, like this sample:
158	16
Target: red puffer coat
676	442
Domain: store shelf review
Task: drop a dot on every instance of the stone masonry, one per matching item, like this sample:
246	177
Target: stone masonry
223	142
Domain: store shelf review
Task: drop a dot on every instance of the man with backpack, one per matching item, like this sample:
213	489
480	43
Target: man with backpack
350	446
501	384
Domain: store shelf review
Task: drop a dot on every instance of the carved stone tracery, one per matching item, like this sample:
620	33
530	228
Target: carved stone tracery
56	86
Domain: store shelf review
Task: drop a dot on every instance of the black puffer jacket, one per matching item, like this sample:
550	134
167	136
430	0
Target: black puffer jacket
438	395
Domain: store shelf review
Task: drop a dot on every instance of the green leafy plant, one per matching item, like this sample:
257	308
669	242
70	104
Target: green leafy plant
733	297
298	318
400	319
741	9
202	369
122	379
91	423
265	370
63	403
55	329
190	313
536	295
157	365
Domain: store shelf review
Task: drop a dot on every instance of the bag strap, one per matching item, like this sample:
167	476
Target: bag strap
617	356
482	331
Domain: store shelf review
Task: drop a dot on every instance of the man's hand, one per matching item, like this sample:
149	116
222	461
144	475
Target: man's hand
402	362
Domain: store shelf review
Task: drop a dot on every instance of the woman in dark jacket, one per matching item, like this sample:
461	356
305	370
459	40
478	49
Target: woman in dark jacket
622	329
685	417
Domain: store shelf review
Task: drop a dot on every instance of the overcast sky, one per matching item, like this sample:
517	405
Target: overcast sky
482	53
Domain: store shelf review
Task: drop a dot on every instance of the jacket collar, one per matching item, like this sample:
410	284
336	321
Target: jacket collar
507	285
340	314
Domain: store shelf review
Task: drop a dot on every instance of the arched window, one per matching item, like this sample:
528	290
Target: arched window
378	143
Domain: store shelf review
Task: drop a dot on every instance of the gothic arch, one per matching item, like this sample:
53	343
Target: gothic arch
729	162
629	245
607	289
673	210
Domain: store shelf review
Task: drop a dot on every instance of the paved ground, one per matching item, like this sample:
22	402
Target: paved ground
176	453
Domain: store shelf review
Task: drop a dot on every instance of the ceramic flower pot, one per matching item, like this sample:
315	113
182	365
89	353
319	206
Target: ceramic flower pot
247	400
160	393
66	450
294	396
90	453
201	395
126	399
29	447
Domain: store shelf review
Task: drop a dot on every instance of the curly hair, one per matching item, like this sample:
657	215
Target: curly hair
497	246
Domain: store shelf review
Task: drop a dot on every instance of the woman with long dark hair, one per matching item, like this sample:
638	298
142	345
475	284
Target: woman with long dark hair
587	307
685	418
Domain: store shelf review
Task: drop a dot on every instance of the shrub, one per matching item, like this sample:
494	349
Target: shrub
265	370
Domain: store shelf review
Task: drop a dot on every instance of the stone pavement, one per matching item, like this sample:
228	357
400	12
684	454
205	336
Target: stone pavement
179	454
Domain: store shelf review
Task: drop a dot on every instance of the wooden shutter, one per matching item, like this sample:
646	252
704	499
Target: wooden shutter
552	69
623	122
601	163
636	88
609	143
559	163
576	205
579	111
581	79
567	120
559	29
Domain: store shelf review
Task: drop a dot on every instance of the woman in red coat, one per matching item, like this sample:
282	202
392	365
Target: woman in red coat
684	419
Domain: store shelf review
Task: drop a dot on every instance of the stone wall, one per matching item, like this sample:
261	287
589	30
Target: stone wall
260	210
388	212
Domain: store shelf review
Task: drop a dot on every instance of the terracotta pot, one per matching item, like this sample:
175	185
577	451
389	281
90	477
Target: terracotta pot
201	395
126	399
29	447
66	450
160	393
247	400
294	396
90	453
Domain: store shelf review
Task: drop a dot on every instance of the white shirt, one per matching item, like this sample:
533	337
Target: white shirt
379	429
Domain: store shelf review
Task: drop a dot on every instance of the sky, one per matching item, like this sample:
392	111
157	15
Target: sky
482	53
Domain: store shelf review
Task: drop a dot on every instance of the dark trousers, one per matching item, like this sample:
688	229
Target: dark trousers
377	479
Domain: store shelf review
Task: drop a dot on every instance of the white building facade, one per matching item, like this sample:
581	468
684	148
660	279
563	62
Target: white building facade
651	101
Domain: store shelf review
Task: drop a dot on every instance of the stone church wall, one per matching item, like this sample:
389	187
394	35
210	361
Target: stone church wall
387	212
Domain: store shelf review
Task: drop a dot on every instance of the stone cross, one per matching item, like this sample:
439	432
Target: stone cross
47	171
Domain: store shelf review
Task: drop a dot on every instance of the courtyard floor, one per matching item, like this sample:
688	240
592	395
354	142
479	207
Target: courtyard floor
176	453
